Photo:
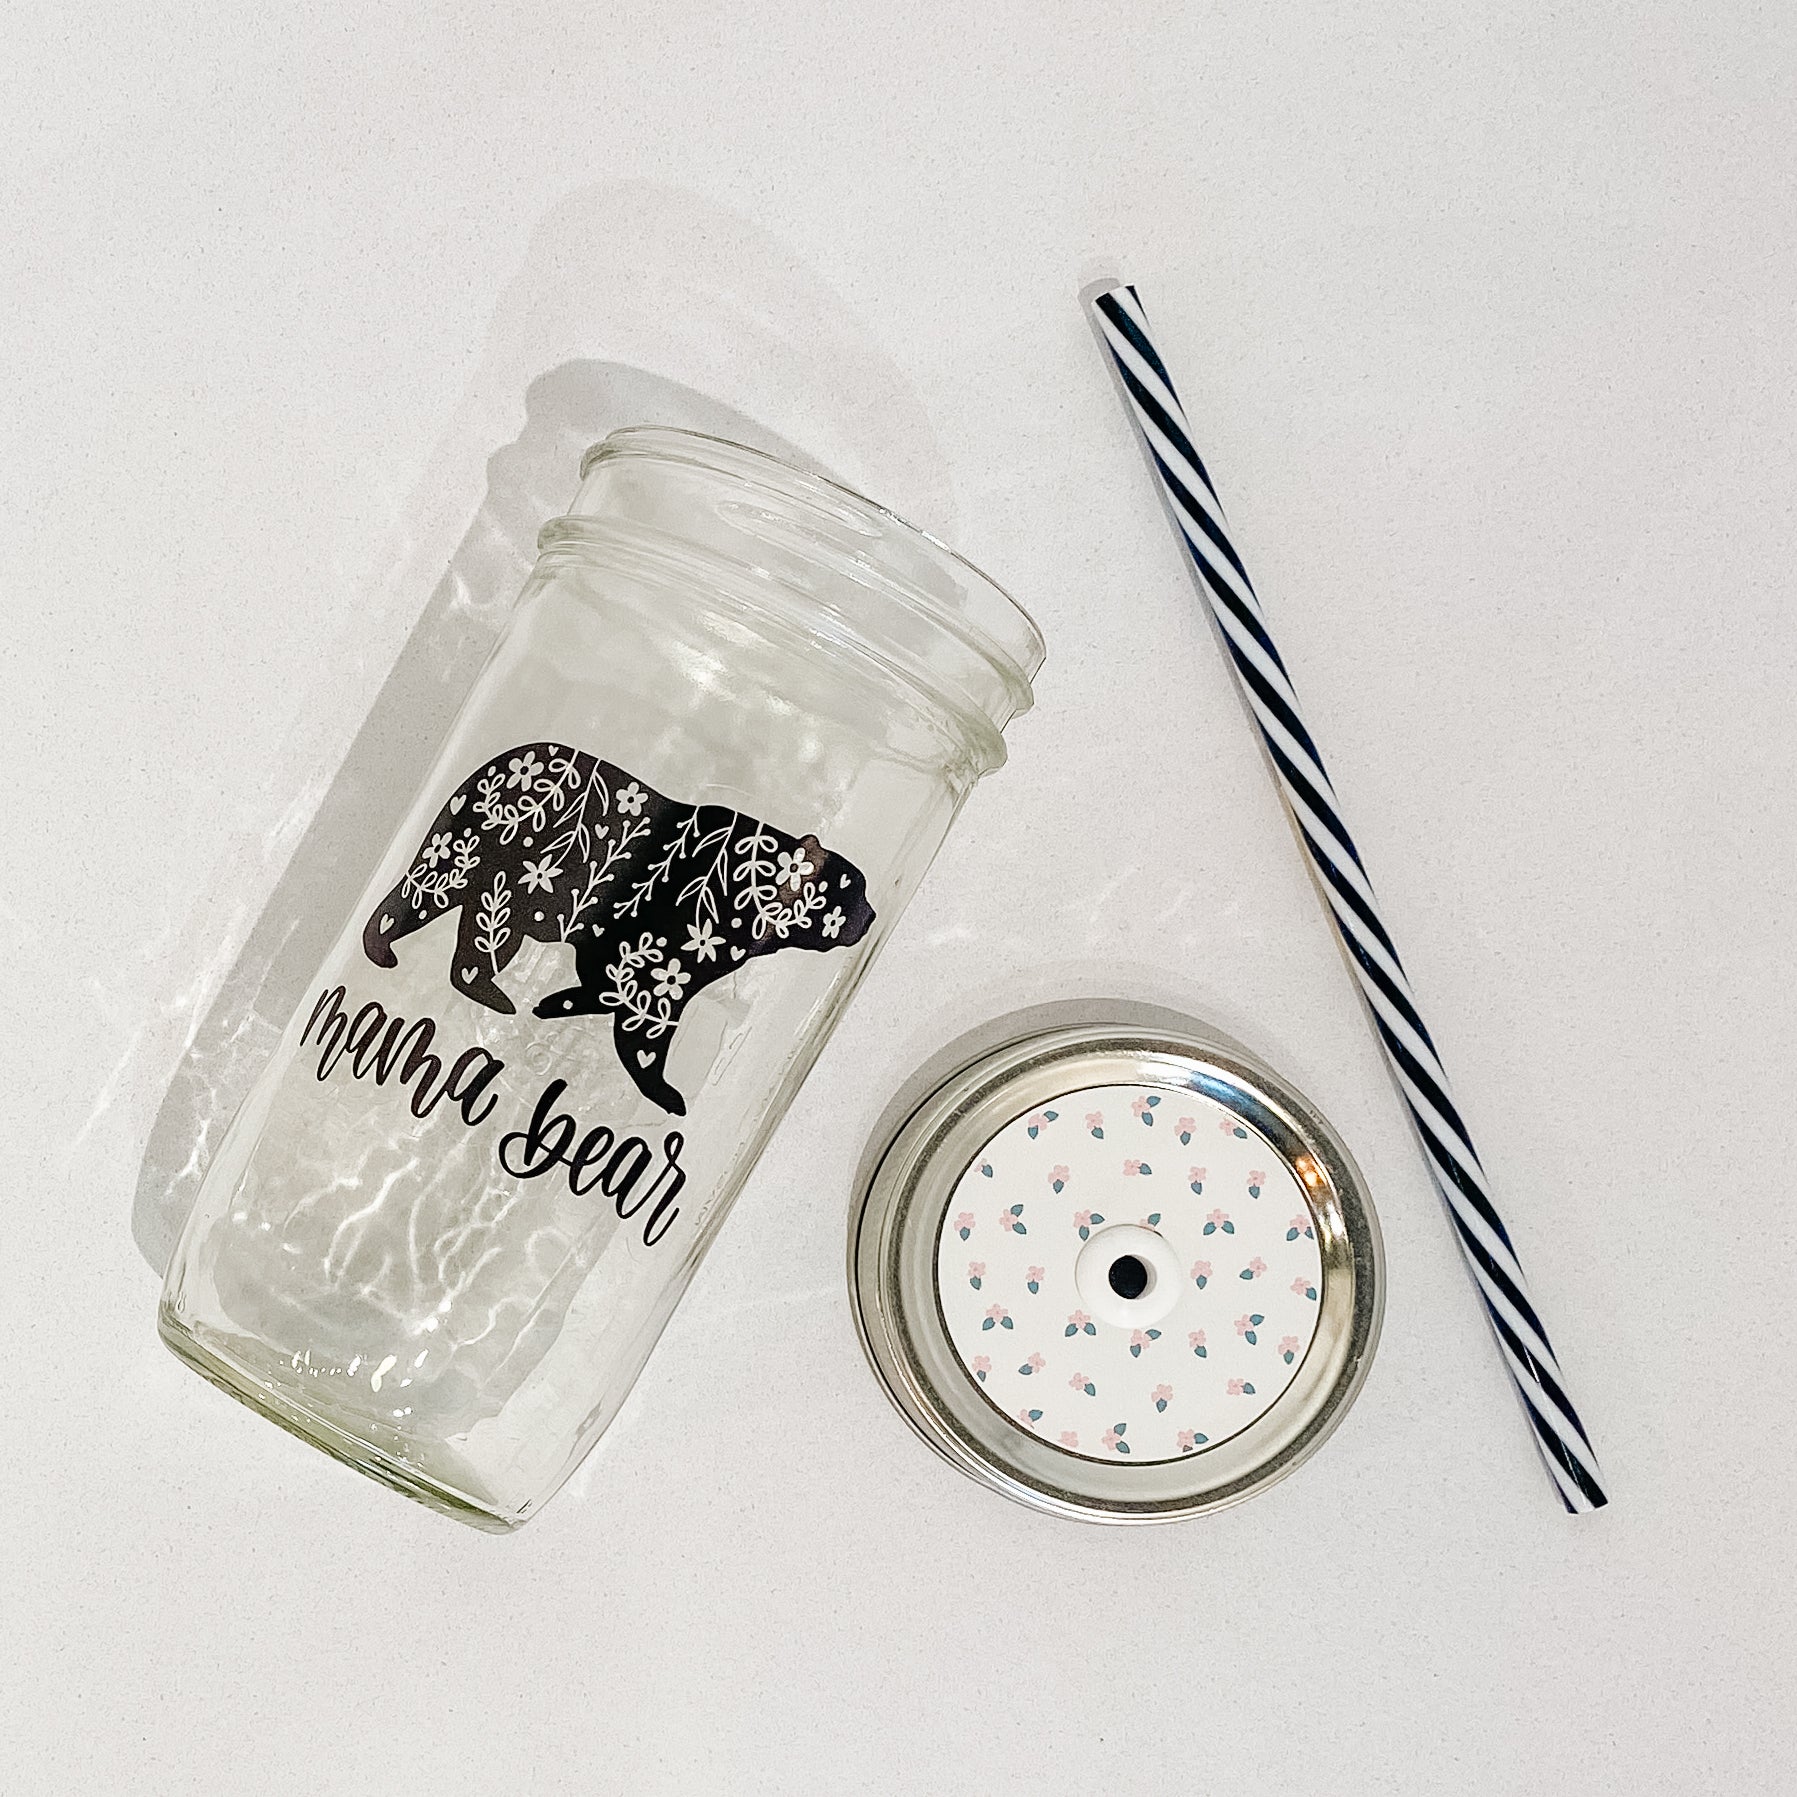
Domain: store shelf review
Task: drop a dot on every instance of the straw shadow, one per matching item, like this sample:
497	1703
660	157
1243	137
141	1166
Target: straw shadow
529	480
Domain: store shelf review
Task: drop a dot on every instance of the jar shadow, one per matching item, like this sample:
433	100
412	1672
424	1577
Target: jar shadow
529	480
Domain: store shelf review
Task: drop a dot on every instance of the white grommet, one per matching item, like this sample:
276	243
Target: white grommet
1097	1275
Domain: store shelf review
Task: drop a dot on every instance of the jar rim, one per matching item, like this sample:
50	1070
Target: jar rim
1024	653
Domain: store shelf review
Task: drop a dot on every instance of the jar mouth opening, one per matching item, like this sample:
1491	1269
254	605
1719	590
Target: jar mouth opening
1003	629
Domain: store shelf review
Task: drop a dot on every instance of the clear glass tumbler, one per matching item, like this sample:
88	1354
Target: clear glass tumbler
734	715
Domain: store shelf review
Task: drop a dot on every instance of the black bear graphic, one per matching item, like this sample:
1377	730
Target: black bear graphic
657	898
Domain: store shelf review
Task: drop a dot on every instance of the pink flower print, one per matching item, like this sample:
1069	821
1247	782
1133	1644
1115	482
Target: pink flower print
1300	1225
1069	1439
1163	1396
1288	1348
1196	1341
1085	1221
1144	1108
1035	1278
1095	1123
1028	1417
1185	1126
1196	1176
1078	1321
998	1318
1201	1273
1254	1268
1230	1127
964	1225
1113	1438
981	1367
1189	1439
1245	1327
1038	1123
1034	1364
1012	1220
1057	1177
1218	1219
1256	1179
1139	1339
1240	1388
1079	1382
1133	1168
976	1273
1304	1288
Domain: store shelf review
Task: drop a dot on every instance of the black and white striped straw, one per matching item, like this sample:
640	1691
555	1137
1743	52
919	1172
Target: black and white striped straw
1453	1163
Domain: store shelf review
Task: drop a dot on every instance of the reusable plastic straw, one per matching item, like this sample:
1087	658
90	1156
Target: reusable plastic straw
1453	1163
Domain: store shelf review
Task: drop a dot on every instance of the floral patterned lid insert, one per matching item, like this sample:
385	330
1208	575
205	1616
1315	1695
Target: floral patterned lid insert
1130	1273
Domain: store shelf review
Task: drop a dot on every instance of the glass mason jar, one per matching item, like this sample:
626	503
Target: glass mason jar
734	715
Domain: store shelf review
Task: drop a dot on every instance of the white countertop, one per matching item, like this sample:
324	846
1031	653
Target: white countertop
1483	316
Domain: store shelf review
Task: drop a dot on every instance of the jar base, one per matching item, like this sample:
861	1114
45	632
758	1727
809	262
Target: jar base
220	1369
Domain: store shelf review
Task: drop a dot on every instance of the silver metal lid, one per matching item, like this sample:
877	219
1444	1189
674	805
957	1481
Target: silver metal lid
1117	1270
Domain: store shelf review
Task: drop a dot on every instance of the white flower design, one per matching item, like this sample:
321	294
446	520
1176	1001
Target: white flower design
436	848
831	922
525	769
703	942
631	800
671	979
795	866
540	876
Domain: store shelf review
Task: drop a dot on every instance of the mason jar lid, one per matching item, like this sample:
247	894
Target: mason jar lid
1117	1270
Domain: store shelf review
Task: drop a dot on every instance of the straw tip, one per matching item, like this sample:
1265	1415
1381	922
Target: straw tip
1095	290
